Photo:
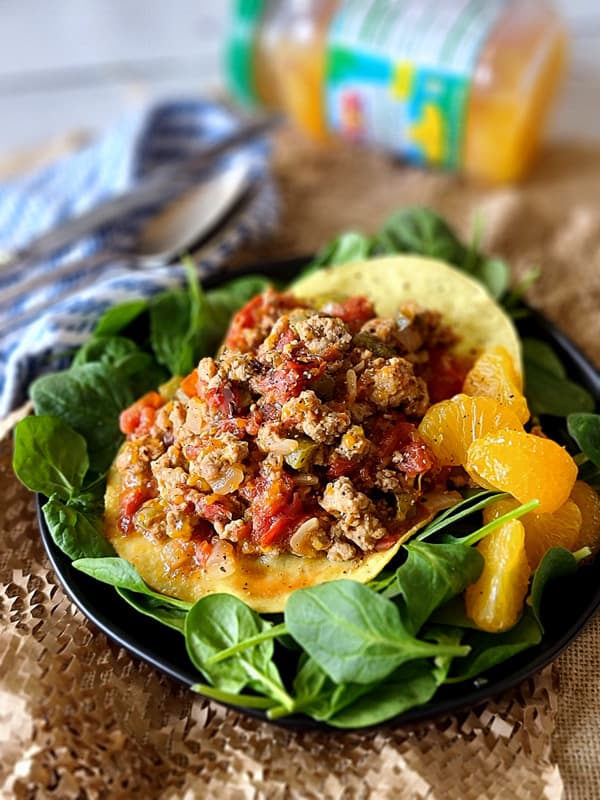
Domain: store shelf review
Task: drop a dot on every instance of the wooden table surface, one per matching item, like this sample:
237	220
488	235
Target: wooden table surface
80	64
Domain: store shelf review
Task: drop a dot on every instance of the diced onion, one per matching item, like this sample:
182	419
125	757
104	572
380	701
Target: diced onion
229	479
221	561
301	540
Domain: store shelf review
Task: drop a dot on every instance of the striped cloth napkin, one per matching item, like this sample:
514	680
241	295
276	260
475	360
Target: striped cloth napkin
111	164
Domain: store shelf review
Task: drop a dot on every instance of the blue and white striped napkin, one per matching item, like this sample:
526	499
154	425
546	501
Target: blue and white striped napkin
34	204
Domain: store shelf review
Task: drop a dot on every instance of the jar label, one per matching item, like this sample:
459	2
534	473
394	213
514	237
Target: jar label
398	73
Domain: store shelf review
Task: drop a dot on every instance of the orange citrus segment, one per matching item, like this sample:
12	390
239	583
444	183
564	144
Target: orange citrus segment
542	531
495	601
524	465
589	504
451	426
494	375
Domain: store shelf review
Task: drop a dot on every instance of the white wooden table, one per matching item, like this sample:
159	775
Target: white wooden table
73	64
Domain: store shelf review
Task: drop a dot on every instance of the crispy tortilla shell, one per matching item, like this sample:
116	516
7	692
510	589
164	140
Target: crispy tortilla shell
391	281
264	582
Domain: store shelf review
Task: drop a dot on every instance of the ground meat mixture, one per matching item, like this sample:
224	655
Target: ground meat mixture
300	437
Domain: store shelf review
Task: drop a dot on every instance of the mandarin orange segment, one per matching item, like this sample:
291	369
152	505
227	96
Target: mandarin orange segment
495	601
494	375
588	503
542	531
451	426
524	465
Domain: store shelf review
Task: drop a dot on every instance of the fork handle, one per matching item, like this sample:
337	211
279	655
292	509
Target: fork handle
87	266
35	282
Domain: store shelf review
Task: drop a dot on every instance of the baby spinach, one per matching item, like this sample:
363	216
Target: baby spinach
108	350
175	325
117	318
220	621
122	575
585	430
489	649
421	231
344	249
430	576
187	324
410	685
370	637
556	563
49	456
75	532
156	608
90	398
548	389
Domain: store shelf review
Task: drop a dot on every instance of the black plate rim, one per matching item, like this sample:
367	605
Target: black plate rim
74	582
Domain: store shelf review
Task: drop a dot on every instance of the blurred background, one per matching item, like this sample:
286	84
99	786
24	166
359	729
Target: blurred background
79	64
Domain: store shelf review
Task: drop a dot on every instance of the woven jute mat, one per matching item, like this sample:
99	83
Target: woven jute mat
80	718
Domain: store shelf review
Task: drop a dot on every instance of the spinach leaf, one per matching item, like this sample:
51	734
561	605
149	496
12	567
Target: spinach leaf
430	576
174	324
347	705
453	614
117	318
547	388
370	638
49	456
90	398
121	574
490	649
421	231
158	609
494	273
408	686
556	563
345	248
186	325
441	634
585	430
107	349
220	621
541	353
75	532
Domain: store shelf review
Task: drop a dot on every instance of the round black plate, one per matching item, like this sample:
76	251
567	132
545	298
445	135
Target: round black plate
568	603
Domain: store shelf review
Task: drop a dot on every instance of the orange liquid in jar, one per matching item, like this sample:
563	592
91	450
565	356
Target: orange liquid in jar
515	79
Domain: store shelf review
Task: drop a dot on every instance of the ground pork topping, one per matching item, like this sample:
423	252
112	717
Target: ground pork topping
300	437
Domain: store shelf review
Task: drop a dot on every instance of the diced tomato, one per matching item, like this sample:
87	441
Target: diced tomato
279	385
389	433
276	508
339	466
190	384
224	400
354	311
139	417
247	317
252	314
284	522
416	456
130	501
214	510
394	435
445	374
286	336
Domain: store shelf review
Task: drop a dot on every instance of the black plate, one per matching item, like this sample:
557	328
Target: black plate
164	648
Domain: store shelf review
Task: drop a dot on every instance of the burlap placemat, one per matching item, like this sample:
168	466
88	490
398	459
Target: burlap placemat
80	718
